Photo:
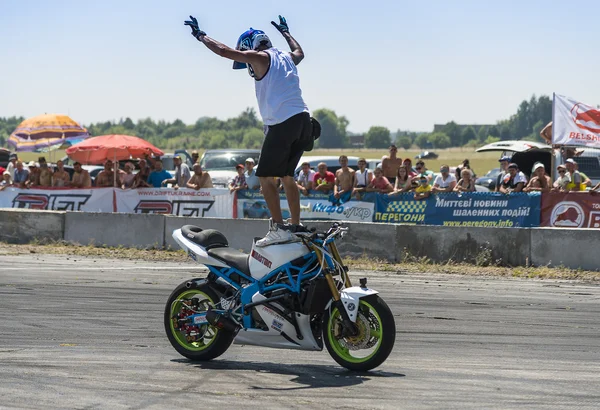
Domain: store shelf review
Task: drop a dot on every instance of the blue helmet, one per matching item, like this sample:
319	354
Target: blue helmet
251	40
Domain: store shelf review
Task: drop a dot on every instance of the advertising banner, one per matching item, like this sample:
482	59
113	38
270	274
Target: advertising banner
479	209
570	210
212	202
58	199
575	123
251	204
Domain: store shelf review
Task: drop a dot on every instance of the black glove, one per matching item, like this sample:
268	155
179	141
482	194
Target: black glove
282	27
193	23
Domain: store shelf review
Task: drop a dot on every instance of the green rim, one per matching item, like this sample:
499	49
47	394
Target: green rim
198	345
343	351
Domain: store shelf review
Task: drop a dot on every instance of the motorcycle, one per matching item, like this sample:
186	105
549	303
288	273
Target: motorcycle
294	295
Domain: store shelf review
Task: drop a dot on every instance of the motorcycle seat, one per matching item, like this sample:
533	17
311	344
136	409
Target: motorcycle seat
232	257
207	238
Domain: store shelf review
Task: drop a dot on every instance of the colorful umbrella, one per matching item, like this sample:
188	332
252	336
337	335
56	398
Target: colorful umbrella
96	150
44	131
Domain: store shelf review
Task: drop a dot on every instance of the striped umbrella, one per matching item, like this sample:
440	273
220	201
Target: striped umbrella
44	131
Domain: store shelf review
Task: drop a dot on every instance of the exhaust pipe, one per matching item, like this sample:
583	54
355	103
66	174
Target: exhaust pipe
221	322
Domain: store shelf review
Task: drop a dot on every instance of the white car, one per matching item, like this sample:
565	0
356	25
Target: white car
220	163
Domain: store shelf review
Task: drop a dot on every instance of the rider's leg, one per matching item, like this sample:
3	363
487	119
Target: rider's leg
293	198
271	194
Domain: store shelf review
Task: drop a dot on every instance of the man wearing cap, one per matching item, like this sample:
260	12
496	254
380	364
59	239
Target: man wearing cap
251	179
576	183
540	181
182	174
504	162
12	162
514	181
21	175
564	178
34	174
444	182
239	181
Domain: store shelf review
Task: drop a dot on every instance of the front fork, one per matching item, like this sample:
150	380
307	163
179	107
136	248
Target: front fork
349	327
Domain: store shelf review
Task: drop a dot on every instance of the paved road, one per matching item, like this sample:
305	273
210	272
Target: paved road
87	333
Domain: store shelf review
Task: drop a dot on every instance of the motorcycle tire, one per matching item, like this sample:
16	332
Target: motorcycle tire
214	341
373	345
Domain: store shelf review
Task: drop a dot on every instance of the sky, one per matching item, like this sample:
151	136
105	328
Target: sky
400	64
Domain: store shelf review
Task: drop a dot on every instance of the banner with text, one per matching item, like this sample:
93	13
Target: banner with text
479	209
58	199
570	210
574	123
251	204
212	202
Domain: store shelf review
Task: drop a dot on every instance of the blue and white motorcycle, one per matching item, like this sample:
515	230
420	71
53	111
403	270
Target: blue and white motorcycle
294	295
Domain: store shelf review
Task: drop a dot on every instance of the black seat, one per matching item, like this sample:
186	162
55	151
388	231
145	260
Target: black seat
232	257
207	238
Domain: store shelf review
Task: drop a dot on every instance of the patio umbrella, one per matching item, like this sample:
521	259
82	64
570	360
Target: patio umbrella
96	150
43	131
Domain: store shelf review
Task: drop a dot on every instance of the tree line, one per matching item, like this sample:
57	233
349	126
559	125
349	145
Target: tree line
246	130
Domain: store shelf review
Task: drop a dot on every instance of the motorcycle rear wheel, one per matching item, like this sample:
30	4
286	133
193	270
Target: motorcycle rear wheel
210	342
374	343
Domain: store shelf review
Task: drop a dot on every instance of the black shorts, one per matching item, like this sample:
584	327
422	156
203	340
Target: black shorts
283	146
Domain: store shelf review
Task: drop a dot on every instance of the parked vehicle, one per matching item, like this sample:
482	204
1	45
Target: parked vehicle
259	210
220	163
295	295
427	155
488	180
527	153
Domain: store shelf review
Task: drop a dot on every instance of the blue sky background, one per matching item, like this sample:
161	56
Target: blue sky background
400	64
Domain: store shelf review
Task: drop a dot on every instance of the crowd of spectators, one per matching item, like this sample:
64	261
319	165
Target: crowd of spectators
392	176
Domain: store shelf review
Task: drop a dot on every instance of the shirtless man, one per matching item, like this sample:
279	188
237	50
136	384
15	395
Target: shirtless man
106	177
344	181
391	164
200	179
81	178
60	177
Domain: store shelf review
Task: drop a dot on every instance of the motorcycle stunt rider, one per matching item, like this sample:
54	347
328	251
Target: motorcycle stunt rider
285	116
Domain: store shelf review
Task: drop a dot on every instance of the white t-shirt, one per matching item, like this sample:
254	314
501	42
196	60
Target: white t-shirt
305	179
362	178
444	183
278	92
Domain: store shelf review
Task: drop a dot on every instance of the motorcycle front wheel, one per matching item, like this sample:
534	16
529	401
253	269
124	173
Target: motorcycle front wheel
374	342
196	342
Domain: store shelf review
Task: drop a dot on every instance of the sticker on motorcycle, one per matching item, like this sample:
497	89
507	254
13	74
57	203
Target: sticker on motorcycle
277	325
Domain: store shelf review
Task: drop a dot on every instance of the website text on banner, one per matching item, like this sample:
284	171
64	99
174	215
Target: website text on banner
58	199
574	123
251	204
570	210
203	203
479	209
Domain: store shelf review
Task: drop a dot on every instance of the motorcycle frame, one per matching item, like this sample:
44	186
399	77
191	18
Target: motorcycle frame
326	262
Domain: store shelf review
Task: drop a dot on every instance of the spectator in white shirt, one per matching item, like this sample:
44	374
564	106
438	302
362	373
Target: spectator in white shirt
564	178
305	178
514	181
444	182
250	174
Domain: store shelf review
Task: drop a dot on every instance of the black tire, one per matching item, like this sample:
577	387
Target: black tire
383	348
220	339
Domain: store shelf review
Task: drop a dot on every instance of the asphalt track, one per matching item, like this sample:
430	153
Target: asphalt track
87	333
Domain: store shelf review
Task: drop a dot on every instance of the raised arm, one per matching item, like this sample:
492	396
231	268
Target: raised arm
296	51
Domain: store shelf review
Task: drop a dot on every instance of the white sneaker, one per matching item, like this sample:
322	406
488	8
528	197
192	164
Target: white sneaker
276	235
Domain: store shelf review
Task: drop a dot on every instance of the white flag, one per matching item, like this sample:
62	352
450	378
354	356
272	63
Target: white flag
574	123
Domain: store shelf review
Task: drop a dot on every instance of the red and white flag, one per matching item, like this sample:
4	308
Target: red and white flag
574	123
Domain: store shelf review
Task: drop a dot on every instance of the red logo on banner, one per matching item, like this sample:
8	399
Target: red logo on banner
567	214
586	118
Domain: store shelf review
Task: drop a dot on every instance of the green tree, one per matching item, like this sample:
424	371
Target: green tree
439	140
452	130
128	124
404	141
482	133
422	141
333	129
505	133
493	131
468	134
377	137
